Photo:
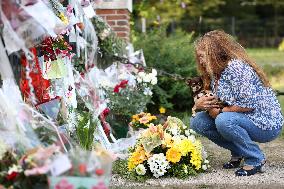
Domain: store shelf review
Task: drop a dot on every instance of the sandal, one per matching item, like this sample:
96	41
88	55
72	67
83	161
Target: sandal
254	170
233	163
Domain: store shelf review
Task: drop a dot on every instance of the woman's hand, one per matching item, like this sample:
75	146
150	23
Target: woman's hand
206	103
214	112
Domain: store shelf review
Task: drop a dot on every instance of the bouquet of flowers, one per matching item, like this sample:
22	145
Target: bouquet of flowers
132	92
89	170
142	120
169	149
28	170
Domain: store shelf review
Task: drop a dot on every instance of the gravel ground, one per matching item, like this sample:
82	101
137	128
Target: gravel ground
220	178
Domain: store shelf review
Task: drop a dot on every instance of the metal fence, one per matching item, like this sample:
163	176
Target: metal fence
265	32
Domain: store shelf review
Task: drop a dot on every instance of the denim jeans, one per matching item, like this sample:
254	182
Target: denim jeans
235	132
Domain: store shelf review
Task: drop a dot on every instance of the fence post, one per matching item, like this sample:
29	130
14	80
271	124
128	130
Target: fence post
233	26
143	23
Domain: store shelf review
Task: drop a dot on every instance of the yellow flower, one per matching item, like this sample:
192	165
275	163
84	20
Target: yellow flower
173	155
168	140
143	120
137	157
135	117
196	155
63	18
162	110
196	159
185	146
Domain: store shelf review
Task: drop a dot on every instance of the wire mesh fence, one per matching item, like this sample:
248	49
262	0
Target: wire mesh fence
252	32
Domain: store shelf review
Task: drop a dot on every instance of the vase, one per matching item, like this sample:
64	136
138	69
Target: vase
119	124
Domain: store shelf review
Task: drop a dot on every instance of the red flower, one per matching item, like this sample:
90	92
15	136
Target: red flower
106	112
100	172
116	89
12	176
123	83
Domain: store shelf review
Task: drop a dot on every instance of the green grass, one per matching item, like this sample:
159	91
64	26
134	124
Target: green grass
266	56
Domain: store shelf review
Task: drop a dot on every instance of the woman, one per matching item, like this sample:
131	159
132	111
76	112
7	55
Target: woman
253	113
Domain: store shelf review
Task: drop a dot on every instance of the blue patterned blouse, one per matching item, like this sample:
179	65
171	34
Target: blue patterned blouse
240	85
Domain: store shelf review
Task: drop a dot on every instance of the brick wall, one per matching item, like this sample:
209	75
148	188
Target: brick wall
118	19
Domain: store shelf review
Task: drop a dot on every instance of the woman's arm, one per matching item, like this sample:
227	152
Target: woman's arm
214	112
235	108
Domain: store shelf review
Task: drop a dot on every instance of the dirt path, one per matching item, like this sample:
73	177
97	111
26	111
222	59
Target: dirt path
220	178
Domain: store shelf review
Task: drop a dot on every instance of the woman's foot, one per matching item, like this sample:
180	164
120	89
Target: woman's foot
233	163
249	170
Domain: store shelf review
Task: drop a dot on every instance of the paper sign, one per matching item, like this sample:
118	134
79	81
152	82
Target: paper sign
89	11
55	69
60	165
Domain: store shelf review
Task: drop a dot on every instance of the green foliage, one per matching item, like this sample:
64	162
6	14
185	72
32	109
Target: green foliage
174	9
173	54
109	44
120	167
128	101
182	171
85	129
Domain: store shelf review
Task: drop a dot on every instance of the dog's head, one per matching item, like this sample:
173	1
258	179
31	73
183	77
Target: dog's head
196	84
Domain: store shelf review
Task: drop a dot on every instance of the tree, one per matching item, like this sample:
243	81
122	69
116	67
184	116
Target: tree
168	10
276	4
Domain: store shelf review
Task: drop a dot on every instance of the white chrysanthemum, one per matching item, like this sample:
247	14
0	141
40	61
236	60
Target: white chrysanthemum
140	169
204	167
158	164
147	78
191	138
139	80
15	168
174	131
154	72
206	161
186	132
182	137
148	92
192	131
141	75
105	33
154	81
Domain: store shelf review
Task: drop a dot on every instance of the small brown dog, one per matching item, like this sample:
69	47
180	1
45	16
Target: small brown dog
196	85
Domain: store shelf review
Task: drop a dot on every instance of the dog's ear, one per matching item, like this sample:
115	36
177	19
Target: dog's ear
196	81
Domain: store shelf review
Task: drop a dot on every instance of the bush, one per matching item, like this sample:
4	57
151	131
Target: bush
173	54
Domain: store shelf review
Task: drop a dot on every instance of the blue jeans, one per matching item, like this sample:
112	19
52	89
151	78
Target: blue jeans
235	132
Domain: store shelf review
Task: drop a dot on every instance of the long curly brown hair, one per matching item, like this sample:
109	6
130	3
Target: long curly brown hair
220	48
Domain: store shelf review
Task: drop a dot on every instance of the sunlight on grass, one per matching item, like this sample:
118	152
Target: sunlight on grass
267	56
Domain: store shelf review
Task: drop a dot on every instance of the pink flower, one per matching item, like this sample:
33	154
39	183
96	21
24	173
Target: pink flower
37	171
100	185
63	184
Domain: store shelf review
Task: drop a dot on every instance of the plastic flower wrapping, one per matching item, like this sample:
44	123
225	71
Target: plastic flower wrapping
167	149
39	131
